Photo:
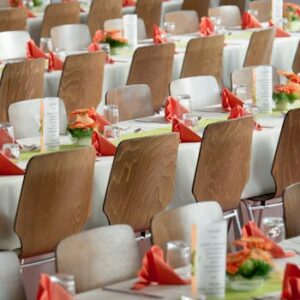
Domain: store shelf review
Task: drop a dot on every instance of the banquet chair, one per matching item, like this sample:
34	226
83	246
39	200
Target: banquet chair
118	24
81	80
285	168
71	37
223	165
260	48
25	117
201	7
239	3
296	62
150	12
196	88
204	56
244	76
186	21
55	199
152	65
4	4
230	14
13	19
175	224
59	14
19	81
11	286
291	206
263	7
142	180
13	44
102	10
134	101
99	257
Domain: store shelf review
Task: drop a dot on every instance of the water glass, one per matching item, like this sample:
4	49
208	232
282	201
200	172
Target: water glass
61	53
191	121
12	151
240	91
46	44
105	48
8	127
169	27
274	228
253	12
217	21
179	258
111	113
220	29
66	281
185	101
111	132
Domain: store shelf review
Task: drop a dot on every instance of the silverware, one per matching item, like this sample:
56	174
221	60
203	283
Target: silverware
132	293
137	130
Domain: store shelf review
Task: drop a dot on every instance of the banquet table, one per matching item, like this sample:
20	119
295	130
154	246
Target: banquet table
260	181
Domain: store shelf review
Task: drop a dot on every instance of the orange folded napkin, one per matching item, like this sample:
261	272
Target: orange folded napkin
251	229
291	283
129	3
249	21
54	63
156	270
33	51
49	290
157	35
174	109
102	145
5	138
230	100
207	27
279	31
186	134
7	167
93	47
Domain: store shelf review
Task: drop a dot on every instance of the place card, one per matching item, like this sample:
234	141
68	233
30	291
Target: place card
130	30
277	12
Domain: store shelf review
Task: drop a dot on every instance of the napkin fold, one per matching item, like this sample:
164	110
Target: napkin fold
186	134
33	51
93	47
279	31
251	230
230	100
54	63
49	290
102	145
101	121
157	35
207	27
7	167
155	270
174	109
249	21
5	138
291	283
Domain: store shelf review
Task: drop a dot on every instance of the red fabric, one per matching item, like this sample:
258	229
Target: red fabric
93	47
5	138
186	134
102	145
129	3
279	32
7	167
230	100
49	290
33	51
249	21
156	270
29	13
207	27
101	121
54	63
291	283
157	35
251	230
174	109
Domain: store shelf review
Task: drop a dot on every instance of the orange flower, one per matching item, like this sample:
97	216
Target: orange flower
236	259
102	36
287	89
82	118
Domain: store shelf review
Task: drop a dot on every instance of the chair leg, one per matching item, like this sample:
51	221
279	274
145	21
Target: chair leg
260	217
237	225
249	210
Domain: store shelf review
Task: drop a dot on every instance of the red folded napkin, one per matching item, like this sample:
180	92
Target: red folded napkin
102	145
156	270
54	63
207	27
249	21
129	3
230	100
279	32
291	283
251	229
33	51
93	47
7	167
101	121
49	290
186	134
5	138
157	35
174	109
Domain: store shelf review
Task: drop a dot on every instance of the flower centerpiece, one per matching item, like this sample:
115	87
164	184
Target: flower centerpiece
291	12
284	96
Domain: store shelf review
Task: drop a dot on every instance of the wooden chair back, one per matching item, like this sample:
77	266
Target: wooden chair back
230	14
291	206
286	165
99	256
186	21
13	19
59	14
142	180
81	81
134	101
264	8
201	7
224	159
239	3
102	10
260	48
150	12
20	81
55	199
152	65
296	62
204	56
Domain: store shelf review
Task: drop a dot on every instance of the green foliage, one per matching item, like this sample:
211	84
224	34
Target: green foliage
115	43
81	133
283	97
254	267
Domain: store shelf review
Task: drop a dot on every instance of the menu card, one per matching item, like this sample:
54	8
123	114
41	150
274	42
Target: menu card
277	12
130	30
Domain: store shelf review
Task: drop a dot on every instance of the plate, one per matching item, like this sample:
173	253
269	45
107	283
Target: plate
240	283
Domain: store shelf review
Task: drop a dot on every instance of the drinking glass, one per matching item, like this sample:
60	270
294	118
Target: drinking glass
240	91
111	131
253	12
185	101
216	20
220	29
12	151
61	53
169	27
8	127
46	44
190	121
105	48
111	113
274	228
66	281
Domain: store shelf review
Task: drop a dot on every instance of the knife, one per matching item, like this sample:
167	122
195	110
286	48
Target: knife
132	293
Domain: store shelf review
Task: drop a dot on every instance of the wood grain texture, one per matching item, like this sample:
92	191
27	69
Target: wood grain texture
55	200
142	180
99	257
102	10
260	48
134	101
239	3
264	8
59	14
13	19
152	65
81	81
204	56
21	81
201	7
224	162
150	12
296	62
230	14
